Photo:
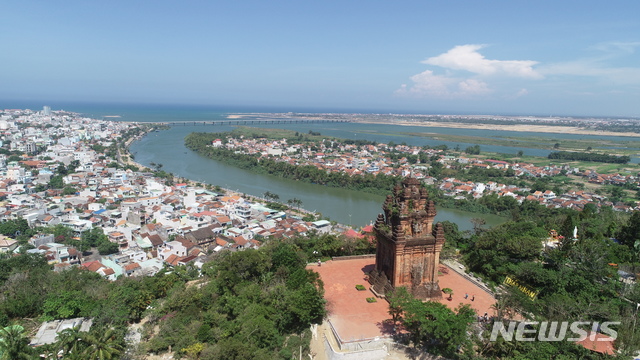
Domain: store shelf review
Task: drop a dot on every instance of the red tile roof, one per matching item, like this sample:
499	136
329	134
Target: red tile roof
92	265
131	267
187	259
173	259
599	343
240	240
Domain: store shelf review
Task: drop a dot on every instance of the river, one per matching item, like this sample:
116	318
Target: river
356	208
348	207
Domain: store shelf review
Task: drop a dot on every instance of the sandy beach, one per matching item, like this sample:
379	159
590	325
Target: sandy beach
458	125
519	127
239	116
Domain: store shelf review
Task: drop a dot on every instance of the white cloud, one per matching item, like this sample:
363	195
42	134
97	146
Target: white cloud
428	84
594	69
457	83
522	92
516	94
599	67
467	57
473	86
617	47
607	71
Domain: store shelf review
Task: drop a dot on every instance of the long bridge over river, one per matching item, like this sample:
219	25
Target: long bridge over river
254	122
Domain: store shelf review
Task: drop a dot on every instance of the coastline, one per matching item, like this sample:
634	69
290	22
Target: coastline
516	128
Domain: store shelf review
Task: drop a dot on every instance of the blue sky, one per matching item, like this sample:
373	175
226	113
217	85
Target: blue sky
488	57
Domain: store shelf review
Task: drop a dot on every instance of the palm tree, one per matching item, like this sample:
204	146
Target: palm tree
295	202
102	345
271	196
14	345
498	349
70	341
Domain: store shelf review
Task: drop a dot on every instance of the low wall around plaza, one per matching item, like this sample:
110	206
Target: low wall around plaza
351	257
372	354
365	349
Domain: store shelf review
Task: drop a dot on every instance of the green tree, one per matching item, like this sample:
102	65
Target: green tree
630	233
14	344
295	202
67	304
478	224
568	227
70	341
62	170
288	256
434	325
617	193
306	306
398	300
14	228
73	165
69	190
473	150
102	345
449	292
512	242
107	248
56	182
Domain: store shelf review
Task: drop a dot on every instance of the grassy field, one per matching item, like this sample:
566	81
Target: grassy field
275	134
626	147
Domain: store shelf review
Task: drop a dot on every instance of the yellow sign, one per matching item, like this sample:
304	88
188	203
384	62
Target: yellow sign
531	293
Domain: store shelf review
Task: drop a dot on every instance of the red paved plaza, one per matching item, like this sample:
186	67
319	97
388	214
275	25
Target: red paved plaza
355	319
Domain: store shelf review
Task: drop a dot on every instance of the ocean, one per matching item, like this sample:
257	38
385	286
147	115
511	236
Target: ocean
348	207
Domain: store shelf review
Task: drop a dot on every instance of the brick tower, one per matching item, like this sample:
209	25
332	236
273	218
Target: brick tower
408	247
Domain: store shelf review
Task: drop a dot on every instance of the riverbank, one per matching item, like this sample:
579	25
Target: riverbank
497	127
130	157
294	211
345	206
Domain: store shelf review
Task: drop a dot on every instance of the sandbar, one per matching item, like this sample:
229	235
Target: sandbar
239	116
498	127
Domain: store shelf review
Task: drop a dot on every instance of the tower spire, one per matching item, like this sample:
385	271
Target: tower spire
408	248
